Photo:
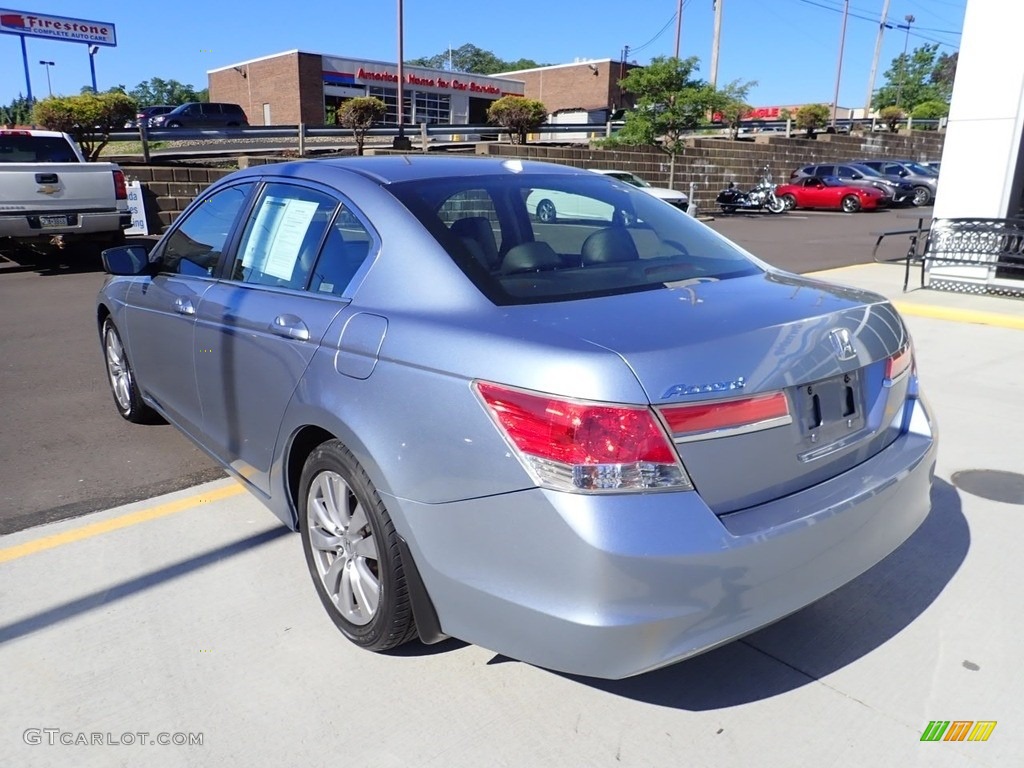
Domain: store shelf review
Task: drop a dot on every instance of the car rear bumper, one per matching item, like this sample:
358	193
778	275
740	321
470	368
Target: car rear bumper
613	586
30	226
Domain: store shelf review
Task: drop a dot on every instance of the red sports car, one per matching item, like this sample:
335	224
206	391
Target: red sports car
829	192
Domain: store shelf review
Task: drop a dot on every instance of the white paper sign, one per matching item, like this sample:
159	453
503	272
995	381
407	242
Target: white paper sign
137	208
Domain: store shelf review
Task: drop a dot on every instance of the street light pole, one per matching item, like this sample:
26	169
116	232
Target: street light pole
48	64
906	44
93	50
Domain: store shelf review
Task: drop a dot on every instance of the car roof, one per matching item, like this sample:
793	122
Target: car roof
398	168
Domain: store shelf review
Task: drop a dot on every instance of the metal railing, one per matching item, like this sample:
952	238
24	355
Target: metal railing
297	135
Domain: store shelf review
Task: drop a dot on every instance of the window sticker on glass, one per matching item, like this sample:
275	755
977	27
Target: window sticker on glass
277	236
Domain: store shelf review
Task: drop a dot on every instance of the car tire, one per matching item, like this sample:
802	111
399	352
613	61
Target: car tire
352	551
790	200
121	377
922	196
850	204
546	211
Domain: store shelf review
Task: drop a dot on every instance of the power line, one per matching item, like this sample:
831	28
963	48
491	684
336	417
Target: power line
877	20
668	23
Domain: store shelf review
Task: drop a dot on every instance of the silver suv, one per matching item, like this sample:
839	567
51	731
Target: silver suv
202	114
920	178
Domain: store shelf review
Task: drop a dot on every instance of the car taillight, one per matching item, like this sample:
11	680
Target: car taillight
701	421
577	445
898	364
120	190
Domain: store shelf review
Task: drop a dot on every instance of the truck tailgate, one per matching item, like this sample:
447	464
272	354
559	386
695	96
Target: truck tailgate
54	187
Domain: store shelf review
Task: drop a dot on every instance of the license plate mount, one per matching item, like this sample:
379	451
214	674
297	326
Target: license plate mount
54	221
831	410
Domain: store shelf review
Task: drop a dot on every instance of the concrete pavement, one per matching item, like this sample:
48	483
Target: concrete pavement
191	617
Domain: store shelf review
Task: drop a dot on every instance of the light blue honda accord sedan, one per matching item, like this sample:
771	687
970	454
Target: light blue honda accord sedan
600	446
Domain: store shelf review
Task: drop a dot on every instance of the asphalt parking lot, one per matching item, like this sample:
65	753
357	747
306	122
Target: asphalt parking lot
189	617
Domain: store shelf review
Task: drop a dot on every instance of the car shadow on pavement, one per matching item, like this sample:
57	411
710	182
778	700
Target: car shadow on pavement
106	596
824	637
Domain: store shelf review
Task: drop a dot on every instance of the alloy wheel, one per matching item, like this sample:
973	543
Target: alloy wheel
343	547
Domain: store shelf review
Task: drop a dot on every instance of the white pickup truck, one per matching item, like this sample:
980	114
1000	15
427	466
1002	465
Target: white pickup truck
51	197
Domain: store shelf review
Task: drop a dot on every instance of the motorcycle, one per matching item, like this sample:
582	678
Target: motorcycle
762	195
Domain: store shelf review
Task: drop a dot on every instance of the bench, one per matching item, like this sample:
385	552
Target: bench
996	245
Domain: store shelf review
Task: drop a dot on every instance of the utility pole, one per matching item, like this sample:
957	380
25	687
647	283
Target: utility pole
874	61
716	39
679	24
400	141
903	70
839	66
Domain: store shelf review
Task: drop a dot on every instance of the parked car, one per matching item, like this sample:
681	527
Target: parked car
932	165
670	196
145	115
202	114
857	175
598	448
830	193
924	181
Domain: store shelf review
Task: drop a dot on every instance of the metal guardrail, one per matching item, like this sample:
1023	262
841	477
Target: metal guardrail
426	132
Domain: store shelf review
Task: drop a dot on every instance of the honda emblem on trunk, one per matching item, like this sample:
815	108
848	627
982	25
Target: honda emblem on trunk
842	343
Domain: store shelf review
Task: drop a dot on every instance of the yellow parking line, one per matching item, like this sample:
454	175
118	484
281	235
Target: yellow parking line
116	523
961	315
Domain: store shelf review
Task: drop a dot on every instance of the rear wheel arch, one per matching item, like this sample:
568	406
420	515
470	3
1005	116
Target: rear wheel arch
302	445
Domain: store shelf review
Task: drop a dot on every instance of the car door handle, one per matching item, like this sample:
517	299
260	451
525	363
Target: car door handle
184	307
290	327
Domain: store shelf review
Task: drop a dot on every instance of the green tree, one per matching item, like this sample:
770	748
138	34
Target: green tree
915	78
159	91
517	115
669	102
733	105
812	116
359	115
930	110
892	117
88	117
469	58
18	112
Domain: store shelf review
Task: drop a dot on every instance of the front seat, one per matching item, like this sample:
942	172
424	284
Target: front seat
609	246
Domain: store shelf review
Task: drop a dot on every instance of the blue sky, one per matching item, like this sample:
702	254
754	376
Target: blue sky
789	46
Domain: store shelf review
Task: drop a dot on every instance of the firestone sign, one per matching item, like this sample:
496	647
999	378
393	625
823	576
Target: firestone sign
63	28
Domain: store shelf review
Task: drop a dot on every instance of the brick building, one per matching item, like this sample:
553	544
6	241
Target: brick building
299	87
590	87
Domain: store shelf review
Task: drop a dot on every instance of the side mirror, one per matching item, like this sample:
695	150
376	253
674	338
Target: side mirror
903	172
856	176
128	260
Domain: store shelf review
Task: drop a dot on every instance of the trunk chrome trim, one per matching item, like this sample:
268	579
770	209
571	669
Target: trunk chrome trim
743	429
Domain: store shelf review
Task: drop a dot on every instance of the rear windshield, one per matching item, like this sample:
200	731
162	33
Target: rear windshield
15	148
527	238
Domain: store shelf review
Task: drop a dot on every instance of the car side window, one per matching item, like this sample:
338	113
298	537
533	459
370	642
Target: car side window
824	170
282	236
347	246
195	245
